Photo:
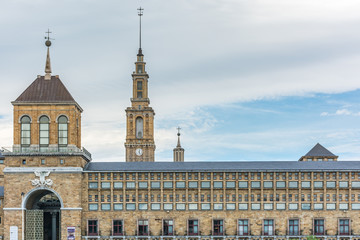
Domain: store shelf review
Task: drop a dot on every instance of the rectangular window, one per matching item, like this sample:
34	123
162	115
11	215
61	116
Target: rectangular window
193	184
268	184
118	185
105	185
280	184
243	206
318	206
243	184
255	206
343	184
330	206
180	206
293	206
193	227
93	185
355	184
330	184
130	185
168	206
168	227
218	206
180	184
143	227
143	206
118	206
205	206
168	184
139	85
105	207
205	184
306	184
293	184
306	206
93	207
318	184
268	227
230	184
218	184
143	185
193	206
218	227
230	206
294	227
268	206
156	207
243	227
355	206
319	227
344	227
255	184
280	206
343	206
130	206
155	185
93	228
117	227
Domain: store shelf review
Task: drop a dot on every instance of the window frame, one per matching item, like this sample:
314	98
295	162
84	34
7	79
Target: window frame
317	225
61	130
168	233
291	230
197	225
121	233
145	227
348	225
247	226
266	227
218	227
96	232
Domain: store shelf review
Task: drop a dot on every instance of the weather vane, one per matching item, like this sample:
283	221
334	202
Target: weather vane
48	42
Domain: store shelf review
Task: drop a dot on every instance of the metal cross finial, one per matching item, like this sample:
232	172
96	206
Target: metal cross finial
48	42
140	11
178	128
48	34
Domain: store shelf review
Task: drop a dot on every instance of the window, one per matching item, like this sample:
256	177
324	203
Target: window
243	206
280	184
280	206
205	184
93	228
117	227
230	184
44	133
156	206
93	185
143	185
168	227
293	206
355	206
218	184
105	206
318	206
218	227
180	184
330	206
268	227
255	206
205	206
230	206
343	184
193	184
193	227
139	127
139	85
143	227
93	207
193	206
143	206
118	185
180	206
105	185
25	132
330	184
118	206
343	206
130	206
319	227
243	184
305	184
355	184
42	161
243	227
130	185
318	184
306	206
218	206
268	206
294	227
139	94
344	227
155	185
63	131
168	184
255	184
268	184
62	161
293	184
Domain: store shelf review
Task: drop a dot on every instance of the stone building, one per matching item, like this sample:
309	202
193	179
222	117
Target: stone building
51	189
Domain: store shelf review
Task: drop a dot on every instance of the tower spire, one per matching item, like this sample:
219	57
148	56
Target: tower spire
48	64
178	151
140	13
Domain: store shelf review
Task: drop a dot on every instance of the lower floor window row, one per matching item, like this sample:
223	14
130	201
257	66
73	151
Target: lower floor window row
220	206
218	228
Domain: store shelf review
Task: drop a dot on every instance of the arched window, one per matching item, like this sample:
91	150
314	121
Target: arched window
44	133
139	127
63	132
25	132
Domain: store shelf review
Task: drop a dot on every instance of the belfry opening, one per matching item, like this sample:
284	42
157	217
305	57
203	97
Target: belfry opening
42	216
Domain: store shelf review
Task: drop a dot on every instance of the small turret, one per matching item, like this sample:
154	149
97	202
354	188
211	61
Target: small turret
178	151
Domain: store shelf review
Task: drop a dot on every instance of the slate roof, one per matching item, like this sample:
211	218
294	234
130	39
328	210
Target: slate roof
1	191
46	91
319	151
240	166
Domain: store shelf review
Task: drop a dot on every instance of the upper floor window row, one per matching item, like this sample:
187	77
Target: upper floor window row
44	131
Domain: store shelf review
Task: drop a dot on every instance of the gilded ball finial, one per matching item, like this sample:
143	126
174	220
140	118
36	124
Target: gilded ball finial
48	43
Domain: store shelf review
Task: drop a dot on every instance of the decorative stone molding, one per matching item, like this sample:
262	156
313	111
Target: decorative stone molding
42	182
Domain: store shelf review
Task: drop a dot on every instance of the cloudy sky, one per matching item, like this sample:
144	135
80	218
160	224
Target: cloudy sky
244	79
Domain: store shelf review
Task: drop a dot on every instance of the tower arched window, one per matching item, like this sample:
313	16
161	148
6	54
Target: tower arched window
139	127
44	133
25	132
63	132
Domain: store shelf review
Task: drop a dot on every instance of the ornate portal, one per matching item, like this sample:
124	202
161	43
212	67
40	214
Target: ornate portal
42	182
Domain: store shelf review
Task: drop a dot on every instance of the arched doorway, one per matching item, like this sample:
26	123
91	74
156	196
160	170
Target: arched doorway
42	215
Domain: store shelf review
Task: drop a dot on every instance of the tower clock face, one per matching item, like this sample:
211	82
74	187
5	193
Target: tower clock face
139	151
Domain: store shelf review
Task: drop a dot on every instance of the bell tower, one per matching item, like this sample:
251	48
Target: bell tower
140	144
